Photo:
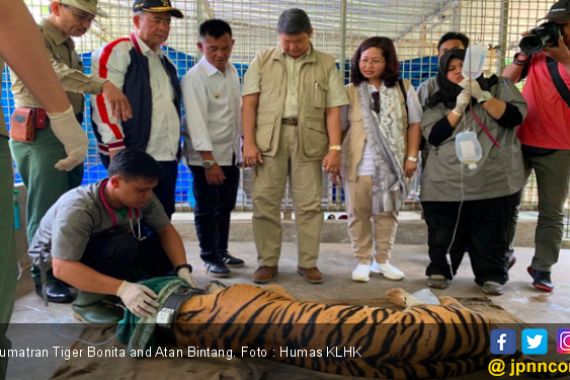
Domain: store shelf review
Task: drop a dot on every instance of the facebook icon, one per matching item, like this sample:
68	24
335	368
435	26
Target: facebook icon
503	341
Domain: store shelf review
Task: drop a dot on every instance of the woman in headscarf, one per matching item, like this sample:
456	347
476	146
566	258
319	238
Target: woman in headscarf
470	205
380	152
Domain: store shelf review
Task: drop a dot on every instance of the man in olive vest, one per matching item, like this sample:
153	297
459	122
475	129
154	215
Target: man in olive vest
292	96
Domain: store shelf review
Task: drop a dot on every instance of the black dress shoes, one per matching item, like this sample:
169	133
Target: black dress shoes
57	292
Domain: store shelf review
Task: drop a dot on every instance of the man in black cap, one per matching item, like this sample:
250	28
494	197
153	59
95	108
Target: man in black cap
545	139
138	66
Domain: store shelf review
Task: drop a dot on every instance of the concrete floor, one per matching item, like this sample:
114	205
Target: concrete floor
336	262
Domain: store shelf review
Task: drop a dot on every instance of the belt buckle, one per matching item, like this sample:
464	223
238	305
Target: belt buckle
166	314
293	121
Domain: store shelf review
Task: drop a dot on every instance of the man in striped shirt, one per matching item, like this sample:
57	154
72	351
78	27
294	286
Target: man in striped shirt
137	65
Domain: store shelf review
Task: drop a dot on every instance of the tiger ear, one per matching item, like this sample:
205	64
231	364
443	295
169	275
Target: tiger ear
215	287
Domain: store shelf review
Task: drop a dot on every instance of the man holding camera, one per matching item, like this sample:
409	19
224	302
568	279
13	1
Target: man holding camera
545	135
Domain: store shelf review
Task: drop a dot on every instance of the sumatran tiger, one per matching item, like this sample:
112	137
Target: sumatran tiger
423	341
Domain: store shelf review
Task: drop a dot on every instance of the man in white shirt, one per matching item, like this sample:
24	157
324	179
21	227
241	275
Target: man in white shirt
212	101
137	65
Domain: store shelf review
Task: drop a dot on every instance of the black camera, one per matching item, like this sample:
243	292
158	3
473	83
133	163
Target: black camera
545	35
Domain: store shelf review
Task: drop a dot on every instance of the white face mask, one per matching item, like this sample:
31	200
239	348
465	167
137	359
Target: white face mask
468	149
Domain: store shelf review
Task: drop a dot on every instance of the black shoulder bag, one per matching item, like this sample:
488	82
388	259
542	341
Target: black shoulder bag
557	79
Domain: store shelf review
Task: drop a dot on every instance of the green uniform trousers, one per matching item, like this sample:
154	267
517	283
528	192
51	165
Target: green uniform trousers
44	183
306	185
552	177
8	266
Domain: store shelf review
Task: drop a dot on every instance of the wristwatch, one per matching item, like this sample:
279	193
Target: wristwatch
178	267
520	62
412	158
335	147
208	164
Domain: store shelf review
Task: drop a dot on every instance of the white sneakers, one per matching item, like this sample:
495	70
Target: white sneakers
362	271
387	270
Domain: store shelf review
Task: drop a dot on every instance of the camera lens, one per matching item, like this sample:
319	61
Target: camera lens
545	35
531	44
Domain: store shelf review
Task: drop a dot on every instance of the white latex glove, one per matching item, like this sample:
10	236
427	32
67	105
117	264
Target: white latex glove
462	101
139	299
474	88
67	130
184	273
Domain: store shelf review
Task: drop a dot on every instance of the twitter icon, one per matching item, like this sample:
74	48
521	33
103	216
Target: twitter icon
534	341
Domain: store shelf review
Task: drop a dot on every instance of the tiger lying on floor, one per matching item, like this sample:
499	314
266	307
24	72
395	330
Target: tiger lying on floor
425	341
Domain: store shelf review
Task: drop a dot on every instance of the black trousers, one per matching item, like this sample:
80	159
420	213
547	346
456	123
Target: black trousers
514	202
214	204
118	254
165	190
482	227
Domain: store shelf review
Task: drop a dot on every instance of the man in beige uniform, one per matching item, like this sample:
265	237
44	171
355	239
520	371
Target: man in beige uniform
291	121
40	163
18	29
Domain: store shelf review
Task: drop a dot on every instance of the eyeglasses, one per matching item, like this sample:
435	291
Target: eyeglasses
374	62
80	15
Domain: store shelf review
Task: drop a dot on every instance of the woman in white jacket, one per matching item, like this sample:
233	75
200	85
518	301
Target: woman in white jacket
380	149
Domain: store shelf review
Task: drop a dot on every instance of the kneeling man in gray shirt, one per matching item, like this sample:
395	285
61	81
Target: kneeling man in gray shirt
93	238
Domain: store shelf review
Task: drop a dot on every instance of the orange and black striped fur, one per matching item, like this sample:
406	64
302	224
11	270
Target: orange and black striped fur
424	341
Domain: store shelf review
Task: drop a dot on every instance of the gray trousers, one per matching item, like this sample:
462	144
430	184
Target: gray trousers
552	177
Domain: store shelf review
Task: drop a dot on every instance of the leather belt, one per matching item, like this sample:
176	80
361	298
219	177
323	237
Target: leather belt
293	121
166	317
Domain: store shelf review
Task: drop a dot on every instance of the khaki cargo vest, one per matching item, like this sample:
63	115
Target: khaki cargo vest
355	137
312	92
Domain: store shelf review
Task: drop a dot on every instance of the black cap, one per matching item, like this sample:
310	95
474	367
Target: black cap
157	6
559	12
